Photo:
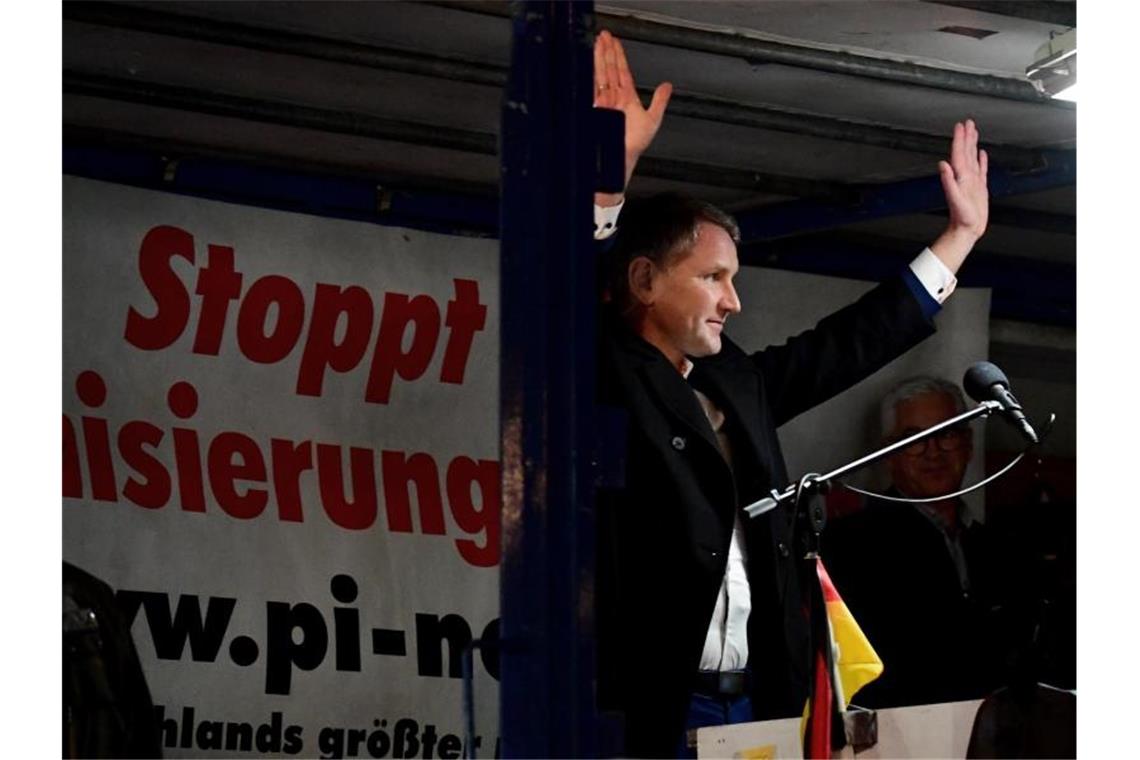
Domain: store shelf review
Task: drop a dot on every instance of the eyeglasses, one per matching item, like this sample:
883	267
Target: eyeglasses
950	439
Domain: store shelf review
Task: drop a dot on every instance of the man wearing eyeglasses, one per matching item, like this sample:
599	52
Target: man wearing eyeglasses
936	466
929	585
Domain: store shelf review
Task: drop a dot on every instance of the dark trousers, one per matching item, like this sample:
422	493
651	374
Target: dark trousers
712	711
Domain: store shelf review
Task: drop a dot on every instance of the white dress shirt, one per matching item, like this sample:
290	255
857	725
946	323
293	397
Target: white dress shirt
726	643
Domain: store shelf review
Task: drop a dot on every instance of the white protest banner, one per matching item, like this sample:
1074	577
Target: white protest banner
281	449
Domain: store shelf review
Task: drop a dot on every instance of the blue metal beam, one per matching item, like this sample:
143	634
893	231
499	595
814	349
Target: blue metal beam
910	196
288	190
546	383
1022	289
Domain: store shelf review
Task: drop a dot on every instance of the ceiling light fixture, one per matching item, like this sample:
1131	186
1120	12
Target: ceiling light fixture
1054	69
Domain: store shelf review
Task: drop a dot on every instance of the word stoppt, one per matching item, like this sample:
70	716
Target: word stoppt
271	319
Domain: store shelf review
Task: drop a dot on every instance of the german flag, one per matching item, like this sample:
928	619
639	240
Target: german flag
843	663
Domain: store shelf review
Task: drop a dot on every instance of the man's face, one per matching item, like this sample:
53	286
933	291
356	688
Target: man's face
689	301
938	466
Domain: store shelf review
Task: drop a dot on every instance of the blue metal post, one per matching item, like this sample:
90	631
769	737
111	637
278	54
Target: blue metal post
546	387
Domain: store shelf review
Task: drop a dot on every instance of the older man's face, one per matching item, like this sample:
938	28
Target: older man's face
937	466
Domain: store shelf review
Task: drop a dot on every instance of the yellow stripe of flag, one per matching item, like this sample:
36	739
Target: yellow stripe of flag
855	658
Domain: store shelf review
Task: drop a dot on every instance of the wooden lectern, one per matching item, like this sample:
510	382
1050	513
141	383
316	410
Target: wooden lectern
940	730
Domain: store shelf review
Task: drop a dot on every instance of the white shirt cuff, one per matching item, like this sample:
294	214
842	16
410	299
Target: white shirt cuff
605	220
938	280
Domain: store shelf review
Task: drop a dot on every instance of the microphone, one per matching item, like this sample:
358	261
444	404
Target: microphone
985	382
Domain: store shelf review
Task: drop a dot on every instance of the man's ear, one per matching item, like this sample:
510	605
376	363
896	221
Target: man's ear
641	275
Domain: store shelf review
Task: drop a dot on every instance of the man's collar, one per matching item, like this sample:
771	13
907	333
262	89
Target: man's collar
963	516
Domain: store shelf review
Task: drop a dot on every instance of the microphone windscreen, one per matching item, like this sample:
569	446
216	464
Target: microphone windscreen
980	378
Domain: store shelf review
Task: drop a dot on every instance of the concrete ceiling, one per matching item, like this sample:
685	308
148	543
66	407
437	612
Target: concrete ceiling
410	93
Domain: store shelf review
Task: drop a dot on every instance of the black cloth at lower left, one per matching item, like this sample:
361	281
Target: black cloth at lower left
107	709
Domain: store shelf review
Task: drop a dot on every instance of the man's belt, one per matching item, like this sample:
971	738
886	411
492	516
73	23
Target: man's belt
725	683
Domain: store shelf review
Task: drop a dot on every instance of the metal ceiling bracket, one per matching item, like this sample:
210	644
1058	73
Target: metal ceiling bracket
455	68
754	49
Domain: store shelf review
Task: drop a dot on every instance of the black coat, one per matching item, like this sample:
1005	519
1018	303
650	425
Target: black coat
664	536
107	709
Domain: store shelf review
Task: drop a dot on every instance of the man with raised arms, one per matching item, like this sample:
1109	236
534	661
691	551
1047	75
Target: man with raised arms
700	617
